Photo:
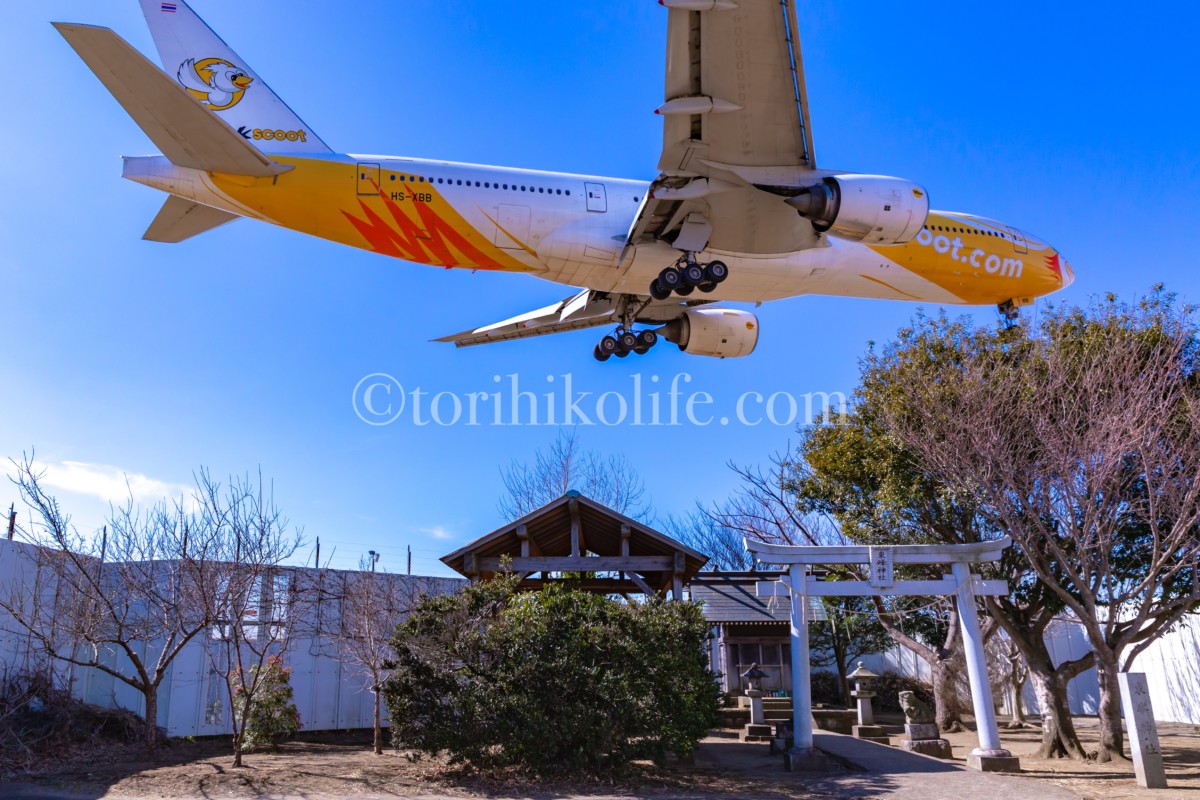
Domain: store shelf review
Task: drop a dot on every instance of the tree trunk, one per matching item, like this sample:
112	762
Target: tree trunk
1059	738
1016	692
945	694
151	696
378	726
843	681
1112	737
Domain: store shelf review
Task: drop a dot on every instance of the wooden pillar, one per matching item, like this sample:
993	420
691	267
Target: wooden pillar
523	536
677	577
576	529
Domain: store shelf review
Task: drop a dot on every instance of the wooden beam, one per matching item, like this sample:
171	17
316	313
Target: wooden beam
581	564
599	585
471	565
641	582
523	535
625	532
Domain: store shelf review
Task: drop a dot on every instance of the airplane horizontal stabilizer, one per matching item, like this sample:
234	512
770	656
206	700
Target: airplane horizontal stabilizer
187	133
181	219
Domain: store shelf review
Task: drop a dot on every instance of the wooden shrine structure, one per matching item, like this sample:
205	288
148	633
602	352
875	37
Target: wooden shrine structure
609	552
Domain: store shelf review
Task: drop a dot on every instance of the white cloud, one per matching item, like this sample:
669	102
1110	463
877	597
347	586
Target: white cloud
110	484
440	532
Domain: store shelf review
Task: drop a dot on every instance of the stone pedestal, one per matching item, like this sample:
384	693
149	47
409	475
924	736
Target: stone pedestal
925	738
993	761
757	733
866	715
871	733
805	759
756	706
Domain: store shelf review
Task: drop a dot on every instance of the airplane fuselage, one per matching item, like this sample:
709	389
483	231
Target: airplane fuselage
572	229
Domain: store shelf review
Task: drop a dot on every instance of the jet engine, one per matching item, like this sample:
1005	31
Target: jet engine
864	208
716	332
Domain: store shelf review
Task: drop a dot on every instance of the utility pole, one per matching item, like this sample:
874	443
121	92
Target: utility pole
409	559
12	520
374	559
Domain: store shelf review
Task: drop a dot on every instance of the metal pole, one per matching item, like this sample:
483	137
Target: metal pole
801	685
12	520
981	691
410	559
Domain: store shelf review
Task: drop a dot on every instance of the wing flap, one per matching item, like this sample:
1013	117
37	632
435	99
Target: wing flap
584	310
181	219
188	134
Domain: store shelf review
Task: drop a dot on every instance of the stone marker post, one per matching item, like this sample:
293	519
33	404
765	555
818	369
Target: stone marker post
1143	733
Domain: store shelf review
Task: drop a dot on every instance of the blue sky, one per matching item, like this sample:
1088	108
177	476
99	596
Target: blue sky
240	349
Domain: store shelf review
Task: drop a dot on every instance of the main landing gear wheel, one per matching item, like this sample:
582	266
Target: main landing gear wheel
657	291
623	342
716	272
1010	312
687	276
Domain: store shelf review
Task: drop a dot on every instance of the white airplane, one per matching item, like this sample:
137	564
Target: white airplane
739	210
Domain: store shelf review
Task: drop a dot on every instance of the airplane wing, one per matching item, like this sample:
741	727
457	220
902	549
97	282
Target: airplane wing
588	309
735	117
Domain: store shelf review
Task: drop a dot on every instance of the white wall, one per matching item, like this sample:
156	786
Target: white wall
328	694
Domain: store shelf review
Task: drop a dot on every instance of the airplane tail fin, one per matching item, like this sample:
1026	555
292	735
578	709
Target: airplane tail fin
186	133
211	72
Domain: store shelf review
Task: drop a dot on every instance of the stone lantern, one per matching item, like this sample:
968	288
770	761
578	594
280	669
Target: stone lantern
758	730
862	694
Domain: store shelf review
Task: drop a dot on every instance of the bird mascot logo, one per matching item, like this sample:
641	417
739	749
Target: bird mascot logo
214	82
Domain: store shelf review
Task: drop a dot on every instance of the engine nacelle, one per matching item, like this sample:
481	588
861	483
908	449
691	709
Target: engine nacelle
716	332
865	208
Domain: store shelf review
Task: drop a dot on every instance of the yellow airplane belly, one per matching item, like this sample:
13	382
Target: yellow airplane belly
333	200
978	267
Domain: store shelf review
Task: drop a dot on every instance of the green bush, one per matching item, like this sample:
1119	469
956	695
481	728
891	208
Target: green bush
273	716
552	681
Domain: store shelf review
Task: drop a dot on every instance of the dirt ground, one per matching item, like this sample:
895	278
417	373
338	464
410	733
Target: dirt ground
1113	781
342	765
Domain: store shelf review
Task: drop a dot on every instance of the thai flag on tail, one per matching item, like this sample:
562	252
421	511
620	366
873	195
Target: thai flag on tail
168	8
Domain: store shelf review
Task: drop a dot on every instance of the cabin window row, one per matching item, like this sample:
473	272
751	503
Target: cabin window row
513	187
948	229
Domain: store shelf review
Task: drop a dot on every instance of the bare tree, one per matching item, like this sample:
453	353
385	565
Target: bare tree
1083	442
258	603
372	605
609	480
125	602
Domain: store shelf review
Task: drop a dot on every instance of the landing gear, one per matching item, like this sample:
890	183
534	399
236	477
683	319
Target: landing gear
1010	312
623	342
686	276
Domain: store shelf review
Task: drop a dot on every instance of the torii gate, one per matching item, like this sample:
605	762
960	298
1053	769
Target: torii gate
962	583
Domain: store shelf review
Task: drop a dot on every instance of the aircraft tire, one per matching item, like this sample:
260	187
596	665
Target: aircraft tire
657	291
600	355
693	275
608	345
647	339
684	291
707	286
628	340
716	272
670	279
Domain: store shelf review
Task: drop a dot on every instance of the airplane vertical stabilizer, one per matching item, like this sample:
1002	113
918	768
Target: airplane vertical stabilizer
211	72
